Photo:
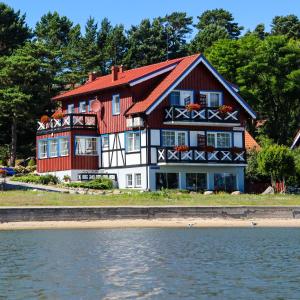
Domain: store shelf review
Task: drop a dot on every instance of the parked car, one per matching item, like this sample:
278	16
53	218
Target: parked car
9	171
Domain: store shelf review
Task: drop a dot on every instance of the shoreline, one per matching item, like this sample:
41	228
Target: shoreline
151	223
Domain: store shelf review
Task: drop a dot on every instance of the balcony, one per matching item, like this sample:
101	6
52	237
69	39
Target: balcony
68	122
195	155
207	116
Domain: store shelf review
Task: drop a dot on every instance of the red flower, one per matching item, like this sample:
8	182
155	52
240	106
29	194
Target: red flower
181	148
58	115
210	149
193	106
45	119
225	109
236	150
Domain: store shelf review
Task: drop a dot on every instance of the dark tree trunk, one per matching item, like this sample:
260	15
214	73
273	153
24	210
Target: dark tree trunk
13	150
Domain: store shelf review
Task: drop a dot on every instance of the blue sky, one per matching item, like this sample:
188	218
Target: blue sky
246	13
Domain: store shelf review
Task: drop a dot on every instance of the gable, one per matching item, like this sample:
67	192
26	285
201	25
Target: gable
214	73
175	77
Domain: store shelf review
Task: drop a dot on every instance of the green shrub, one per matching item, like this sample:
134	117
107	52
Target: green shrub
21	170
33	178
31	162
30	169
97	184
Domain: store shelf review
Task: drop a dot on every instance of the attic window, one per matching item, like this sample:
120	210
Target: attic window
211	99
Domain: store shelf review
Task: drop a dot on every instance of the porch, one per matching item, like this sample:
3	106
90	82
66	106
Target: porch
195	155
208	116
68	122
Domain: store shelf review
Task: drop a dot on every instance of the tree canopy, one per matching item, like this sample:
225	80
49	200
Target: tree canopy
58	54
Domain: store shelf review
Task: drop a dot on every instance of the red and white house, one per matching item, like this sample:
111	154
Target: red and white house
175	124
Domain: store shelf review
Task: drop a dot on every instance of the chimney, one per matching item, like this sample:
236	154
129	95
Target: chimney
121	69
114	73
92	76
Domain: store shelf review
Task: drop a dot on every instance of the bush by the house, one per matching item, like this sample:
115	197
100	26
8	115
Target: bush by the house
32	178
97	184
31	162
277	162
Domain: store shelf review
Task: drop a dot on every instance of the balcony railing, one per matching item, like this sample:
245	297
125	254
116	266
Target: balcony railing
195	155
204	115
69	121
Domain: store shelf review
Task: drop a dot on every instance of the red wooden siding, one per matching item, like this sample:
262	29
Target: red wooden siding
79	162
71	161
54	163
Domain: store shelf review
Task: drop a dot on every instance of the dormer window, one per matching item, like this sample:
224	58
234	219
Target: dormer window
181	98
116	104
82	107
211	99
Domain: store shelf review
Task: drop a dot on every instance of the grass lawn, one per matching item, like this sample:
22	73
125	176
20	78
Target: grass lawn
30	198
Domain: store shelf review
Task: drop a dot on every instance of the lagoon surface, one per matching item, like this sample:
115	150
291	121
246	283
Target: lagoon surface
191	263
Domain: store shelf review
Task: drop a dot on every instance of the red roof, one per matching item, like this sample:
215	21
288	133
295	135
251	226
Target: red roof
104	82
250	142
163	85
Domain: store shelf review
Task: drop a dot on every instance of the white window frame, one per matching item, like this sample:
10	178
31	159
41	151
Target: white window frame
176	137
127	176
208	97
136	137
71	108
181	97
136	184
82	109
84	144
50	142
116	106
105	146
43	143
61	141
215	134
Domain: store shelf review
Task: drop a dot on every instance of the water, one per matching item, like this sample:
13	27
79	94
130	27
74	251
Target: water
191	263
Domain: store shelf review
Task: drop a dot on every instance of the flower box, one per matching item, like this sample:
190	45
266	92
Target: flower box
193	106
45	119
209	149
225	109
181	148
58	115
236	150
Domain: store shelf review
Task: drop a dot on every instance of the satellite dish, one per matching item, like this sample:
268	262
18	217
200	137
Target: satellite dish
96	105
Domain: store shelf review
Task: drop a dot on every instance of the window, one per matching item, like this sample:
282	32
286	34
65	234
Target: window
137	179
82	107
196	181
173	138
116	105
86	146
219	139
212	99
225	182
167	180
181	97
53	150
90	105
63	147
71	109
175	98
105	141
133	142
43	145
129	180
